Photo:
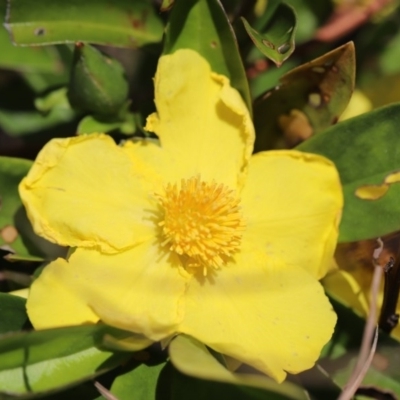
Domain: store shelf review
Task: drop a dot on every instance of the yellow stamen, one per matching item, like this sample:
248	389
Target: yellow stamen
201	222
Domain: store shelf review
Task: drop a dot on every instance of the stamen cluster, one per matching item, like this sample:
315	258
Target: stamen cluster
201	221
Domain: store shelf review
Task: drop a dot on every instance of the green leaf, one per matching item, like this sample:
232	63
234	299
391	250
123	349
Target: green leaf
365	152
91	124
277	40
55	99
192	358
12	170
308	100
25	59
16	233
138	383
203	26
54	109
25	123
310	15
118	23
98	83
37	362
186	387
12	312
340	354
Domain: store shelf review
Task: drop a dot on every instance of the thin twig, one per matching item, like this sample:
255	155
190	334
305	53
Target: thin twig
367	349
351	388
104	392
346	19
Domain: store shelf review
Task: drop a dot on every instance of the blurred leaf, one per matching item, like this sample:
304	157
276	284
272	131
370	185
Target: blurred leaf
91	124
319	384
21	123
276	41
309	99
56	98
202	25
365	152
138	383
166	5
36	362
12	170
383	90
44	59
340	354
193	358
42	82
13	313
54	109
28	59
118	23
187	387
98	83
310	15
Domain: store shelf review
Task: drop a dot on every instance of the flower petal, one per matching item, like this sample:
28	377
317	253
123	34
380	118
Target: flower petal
271	316
292	203
138	290
86	191
342	285
201	120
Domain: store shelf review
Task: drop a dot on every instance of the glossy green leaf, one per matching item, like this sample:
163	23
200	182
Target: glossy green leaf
118	23
138	383
12	313
307	100
193	358
340	354
276	41
98	83
365	152
202	25
36	362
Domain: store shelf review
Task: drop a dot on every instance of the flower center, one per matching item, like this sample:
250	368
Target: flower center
201	222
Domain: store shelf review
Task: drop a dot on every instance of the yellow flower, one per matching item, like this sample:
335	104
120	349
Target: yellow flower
192	235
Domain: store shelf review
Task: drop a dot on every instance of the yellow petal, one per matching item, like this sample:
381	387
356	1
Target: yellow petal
201	120
52	301
271	316
87	191
148	153
138	290
292	203
342	285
